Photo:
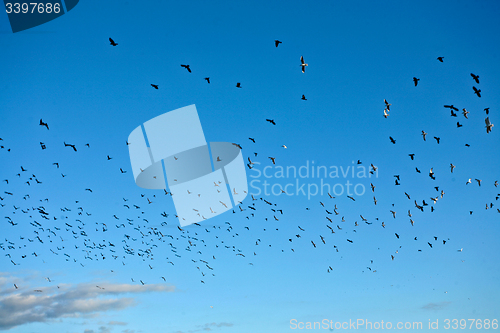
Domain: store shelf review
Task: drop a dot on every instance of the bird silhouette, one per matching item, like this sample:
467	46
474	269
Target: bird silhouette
69	145
44	124
475	77
477	91
154	86
277	42
187	67
112	42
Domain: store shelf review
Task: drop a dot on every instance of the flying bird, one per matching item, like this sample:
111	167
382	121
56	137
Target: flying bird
271	121
392	140
69	145
451	107
44	124
207	79
489	125
112	42
303	64
187	67
304	98
238	85
477	91
431	174
440	59
424	134
465	113
437	139
475	77
154	86
387	104
277	42
415	81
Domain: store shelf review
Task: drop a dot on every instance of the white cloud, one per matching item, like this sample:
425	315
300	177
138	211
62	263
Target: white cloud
22	306
435	306
207	327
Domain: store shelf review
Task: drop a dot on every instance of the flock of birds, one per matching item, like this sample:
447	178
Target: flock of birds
71	226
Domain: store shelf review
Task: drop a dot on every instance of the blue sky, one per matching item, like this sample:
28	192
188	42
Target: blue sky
358	53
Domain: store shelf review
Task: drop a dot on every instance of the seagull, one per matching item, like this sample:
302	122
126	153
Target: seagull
303	65
154	86
385	113
489	125
284	146
277	42
415	80
392	140
469	181
440	59
423	134
112	42
387	104
271	121
487	110
459	125
478	181
477	91
465	113
437	139
187	67
272	159
411	156
44	124
475	77
207	79
238	85
452	167
304	98
431	174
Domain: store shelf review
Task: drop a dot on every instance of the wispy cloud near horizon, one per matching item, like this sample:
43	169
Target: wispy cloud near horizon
23	307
